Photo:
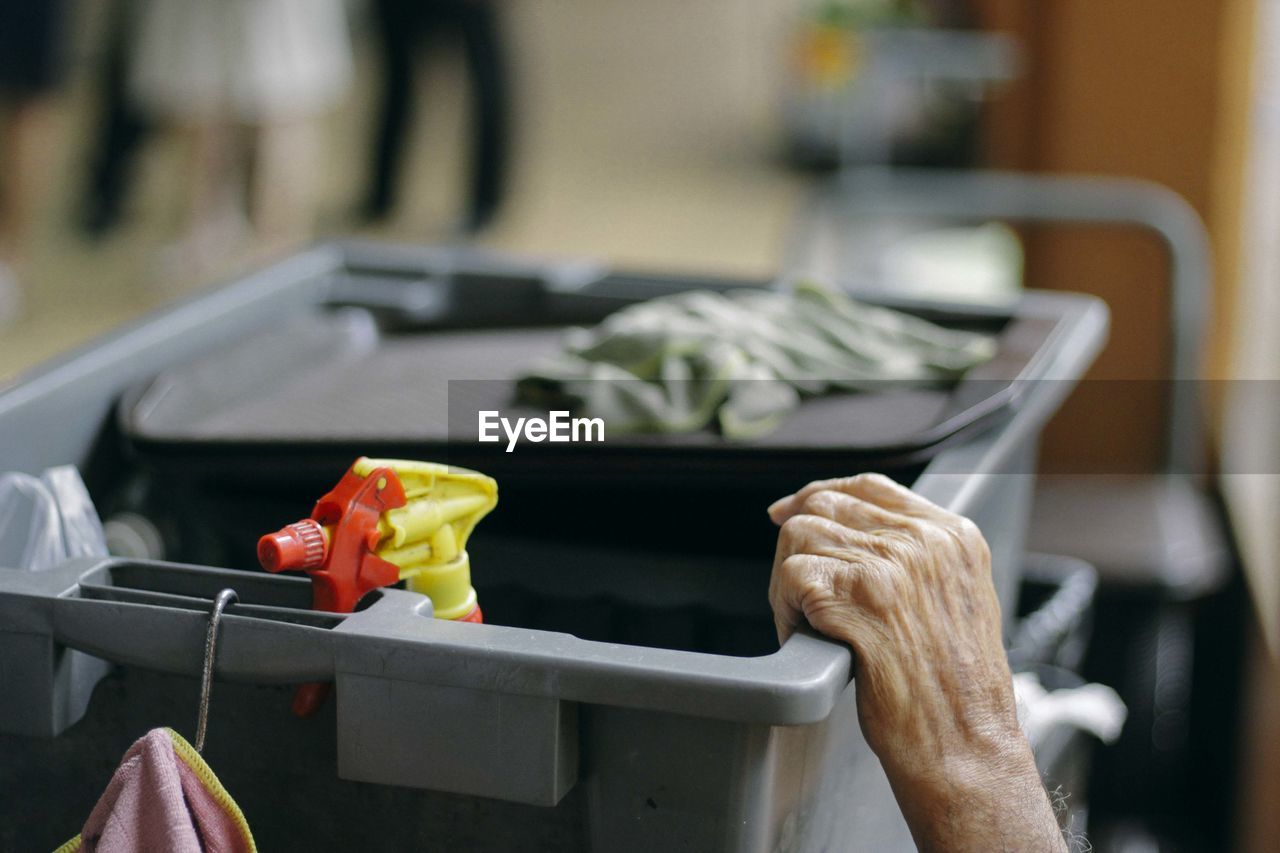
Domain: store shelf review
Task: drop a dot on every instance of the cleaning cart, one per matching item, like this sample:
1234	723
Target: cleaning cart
625	691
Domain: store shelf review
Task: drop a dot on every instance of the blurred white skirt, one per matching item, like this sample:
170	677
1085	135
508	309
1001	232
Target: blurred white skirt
253	61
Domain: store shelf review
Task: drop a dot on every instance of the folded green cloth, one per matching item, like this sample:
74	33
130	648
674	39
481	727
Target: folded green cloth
742	358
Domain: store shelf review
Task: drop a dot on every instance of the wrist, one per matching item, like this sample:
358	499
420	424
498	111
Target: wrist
984	756
971	793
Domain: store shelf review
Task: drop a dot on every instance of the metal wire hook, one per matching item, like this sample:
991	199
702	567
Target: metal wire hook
220	603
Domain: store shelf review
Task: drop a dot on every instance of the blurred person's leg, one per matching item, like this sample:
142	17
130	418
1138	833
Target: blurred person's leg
286	162
23	131
246	81
26	129
214	223
398	29
486	66
176	75
31	54
121	127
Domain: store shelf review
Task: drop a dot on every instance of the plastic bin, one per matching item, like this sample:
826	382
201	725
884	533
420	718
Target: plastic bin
613	712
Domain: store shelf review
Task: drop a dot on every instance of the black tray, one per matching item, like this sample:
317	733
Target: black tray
368	372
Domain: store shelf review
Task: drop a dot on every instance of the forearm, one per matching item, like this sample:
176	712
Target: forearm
990	802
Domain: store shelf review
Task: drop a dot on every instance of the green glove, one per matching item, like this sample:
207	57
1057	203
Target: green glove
742	358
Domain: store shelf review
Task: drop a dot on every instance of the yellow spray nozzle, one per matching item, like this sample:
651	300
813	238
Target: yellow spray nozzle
427	537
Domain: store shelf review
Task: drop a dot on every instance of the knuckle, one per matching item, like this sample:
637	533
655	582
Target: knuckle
819	502
934	535
859	482
793	569
912	528
813	590
878	587
803	583
841	484
968	534
799	532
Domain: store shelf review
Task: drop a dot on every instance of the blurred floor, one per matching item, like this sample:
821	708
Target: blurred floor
643	135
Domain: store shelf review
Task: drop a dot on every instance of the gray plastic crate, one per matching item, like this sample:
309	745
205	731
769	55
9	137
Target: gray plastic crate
520	738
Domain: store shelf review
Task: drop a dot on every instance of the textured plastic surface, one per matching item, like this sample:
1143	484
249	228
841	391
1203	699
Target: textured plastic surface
642	747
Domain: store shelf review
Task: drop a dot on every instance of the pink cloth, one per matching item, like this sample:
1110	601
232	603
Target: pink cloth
157	801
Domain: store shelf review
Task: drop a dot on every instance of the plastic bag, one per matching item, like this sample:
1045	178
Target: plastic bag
81	528
46	520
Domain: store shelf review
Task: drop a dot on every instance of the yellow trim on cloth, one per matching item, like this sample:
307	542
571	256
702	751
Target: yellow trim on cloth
193	759
187	753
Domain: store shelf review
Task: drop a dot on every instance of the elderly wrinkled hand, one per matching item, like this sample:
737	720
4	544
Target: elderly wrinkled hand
908	586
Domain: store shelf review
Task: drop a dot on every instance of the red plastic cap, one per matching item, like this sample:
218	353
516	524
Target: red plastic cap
297	546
